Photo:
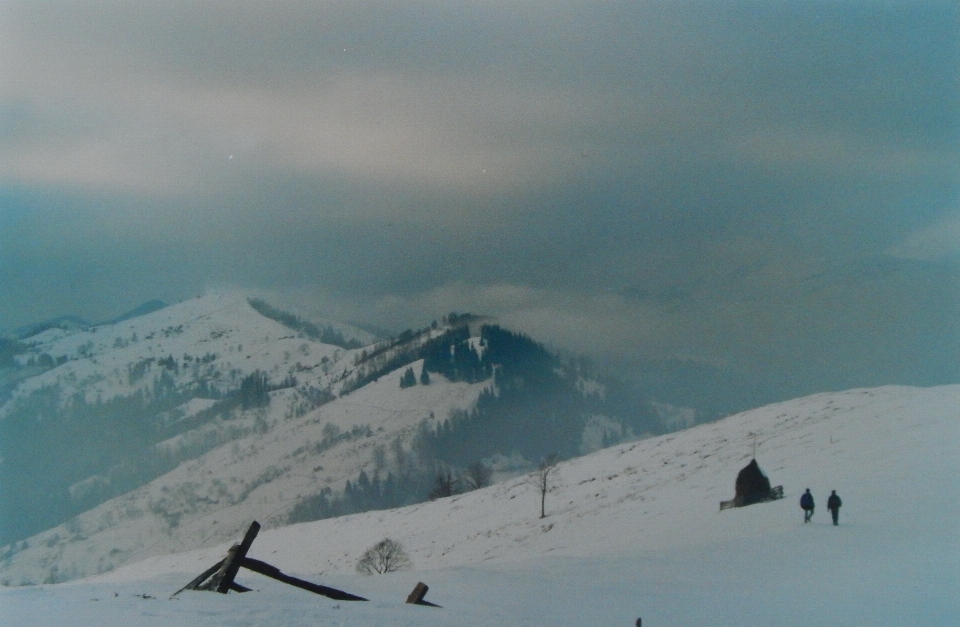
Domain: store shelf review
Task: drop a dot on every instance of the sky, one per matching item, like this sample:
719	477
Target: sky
752	185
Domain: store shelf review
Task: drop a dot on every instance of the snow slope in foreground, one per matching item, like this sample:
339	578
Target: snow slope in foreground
631	531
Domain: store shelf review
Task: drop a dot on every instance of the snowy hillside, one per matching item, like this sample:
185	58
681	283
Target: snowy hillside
218	336
171	430
263	460
630	531
211	499
119	404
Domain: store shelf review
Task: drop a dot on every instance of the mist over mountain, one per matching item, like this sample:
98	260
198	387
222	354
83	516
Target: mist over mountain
125	438
71	322
769	191
207	407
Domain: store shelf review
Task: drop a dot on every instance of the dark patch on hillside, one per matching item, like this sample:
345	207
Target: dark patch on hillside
325	334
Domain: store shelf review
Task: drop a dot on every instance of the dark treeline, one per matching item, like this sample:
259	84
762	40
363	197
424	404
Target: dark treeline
455	358
415	483
326	334
449	354
365	494
49	444
535	409
389	356
535	406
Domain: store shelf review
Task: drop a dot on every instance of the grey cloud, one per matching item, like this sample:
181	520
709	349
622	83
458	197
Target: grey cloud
938	241
737	182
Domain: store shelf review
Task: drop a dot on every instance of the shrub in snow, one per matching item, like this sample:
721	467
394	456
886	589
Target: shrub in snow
385	556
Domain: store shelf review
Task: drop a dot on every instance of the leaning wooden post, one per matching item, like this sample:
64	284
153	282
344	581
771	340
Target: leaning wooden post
416	597
223	580
197	583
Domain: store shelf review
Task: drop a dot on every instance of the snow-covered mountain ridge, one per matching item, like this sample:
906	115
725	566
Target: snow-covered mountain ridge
113	360
185	422
103	399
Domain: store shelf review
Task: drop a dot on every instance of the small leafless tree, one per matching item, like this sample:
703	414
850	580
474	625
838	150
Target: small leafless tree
477	476
385	556
541	479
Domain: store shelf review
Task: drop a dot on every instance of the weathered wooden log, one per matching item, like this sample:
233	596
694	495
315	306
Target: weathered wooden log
274	573
416	597
419	591
223	579
198	581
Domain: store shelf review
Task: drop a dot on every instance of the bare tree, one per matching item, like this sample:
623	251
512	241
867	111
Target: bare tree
445	484
385	556
541	479
477	476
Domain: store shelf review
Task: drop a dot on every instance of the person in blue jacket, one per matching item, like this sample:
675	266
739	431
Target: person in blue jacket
806	504
833	504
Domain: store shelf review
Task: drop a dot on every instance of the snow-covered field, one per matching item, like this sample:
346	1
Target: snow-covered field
631	531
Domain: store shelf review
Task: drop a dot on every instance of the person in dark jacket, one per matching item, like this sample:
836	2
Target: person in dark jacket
833	504
806	504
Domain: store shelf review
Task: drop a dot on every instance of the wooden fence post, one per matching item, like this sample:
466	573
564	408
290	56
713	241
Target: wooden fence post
223	580
416	597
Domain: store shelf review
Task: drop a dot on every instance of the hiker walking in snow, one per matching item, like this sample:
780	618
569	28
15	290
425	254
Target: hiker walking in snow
806	504
833	504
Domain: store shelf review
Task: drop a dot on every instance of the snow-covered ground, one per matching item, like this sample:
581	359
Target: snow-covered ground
632	531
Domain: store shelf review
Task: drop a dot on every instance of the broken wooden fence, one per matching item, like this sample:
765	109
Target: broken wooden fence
221	576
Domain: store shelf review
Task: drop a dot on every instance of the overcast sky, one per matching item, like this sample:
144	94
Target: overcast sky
754	184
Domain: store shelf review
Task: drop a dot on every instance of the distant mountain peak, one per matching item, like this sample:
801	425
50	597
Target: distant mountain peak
67	323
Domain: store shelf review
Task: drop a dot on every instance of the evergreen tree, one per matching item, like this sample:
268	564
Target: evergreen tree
408	379
255	390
